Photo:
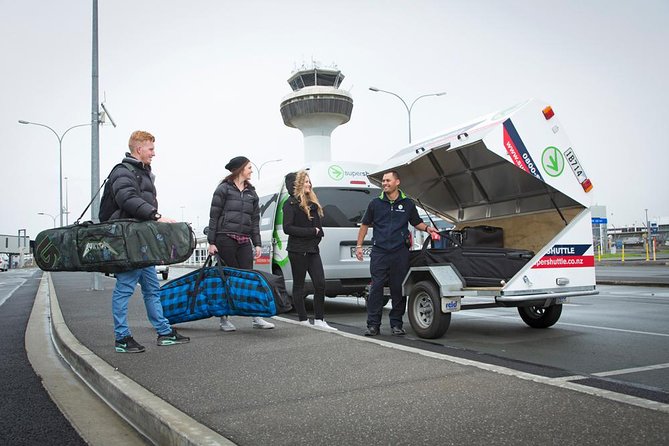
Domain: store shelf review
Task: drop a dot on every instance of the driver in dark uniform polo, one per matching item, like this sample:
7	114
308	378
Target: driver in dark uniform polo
389	214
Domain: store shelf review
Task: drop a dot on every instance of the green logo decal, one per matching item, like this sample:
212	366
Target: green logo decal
336	172
552	161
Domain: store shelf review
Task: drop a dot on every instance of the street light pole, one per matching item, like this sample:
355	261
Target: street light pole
408	107
261	166
60	157
53	217
67	205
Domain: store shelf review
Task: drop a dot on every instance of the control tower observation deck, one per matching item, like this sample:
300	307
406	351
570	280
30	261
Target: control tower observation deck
316	107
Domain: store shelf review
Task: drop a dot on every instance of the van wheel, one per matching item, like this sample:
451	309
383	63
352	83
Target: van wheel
425	314
540	317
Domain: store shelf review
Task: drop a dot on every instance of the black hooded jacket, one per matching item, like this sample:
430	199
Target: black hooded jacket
134	192
301	231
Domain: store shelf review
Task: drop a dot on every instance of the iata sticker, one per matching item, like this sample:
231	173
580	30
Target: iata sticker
566	256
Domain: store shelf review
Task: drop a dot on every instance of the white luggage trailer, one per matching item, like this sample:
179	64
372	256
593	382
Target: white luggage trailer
517	170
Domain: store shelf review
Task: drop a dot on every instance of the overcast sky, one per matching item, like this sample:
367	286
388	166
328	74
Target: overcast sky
207	77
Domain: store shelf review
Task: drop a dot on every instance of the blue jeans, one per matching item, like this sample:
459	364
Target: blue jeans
125	287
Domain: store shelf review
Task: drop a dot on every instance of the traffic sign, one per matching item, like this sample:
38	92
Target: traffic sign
599	221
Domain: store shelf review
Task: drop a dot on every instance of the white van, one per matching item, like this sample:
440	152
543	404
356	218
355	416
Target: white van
515	170
344	191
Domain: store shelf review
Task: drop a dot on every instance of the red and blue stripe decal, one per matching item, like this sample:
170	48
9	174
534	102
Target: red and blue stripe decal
516	149
566	256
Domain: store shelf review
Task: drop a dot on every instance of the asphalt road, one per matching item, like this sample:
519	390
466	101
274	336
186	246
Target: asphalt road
28	416
633	272
298	385
618	339
306	389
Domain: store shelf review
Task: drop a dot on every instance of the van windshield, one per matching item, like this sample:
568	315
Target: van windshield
344	207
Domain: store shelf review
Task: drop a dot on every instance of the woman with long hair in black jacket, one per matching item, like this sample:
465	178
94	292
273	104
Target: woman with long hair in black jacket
302	222
234	224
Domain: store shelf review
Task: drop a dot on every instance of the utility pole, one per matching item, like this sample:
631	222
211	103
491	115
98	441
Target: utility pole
95	134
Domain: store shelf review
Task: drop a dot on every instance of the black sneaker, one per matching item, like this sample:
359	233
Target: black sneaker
172	338
372	331
397	331
128	345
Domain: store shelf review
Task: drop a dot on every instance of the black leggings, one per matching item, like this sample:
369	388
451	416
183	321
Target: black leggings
234	254
300	264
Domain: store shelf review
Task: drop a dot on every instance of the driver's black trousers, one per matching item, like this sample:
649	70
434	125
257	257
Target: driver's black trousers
387	268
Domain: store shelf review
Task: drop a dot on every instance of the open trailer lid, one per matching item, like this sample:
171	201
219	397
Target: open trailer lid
515	161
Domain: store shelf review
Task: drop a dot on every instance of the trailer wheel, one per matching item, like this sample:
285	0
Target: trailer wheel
540	317
425	314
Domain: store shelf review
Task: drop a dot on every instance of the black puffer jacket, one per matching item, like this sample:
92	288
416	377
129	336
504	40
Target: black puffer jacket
234	212
134	192
302	236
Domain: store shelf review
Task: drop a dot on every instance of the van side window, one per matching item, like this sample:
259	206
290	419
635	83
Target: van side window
344	207
267	205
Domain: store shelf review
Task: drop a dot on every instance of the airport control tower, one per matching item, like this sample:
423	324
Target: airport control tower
316	107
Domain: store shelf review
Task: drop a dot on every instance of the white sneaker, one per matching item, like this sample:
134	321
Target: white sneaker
226	325
259	322
322	324
305	323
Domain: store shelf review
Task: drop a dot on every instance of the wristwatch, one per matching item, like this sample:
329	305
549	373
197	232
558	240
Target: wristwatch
157	216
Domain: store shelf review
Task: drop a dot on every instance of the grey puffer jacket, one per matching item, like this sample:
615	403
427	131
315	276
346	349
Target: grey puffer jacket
134	192
234	212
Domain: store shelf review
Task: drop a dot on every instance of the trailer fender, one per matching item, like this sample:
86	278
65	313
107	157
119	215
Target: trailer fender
447	279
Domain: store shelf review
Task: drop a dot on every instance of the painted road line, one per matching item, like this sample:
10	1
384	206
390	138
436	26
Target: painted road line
510	318
632	370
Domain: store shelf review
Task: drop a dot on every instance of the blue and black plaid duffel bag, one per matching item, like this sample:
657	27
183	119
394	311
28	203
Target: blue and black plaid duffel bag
223	291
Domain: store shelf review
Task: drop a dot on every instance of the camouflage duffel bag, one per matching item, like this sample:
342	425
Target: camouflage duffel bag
113	246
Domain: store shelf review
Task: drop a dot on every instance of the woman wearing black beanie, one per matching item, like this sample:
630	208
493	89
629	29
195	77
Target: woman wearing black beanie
234	224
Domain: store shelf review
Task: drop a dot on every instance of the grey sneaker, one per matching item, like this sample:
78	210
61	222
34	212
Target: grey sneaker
261	323
226	325
172	338
128	345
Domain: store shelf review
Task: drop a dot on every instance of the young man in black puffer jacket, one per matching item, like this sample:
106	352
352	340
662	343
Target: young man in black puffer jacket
135	197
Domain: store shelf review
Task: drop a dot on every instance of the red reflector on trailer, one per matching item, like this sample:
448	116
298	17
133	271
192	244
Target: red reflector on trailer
587	185
548	112
358	182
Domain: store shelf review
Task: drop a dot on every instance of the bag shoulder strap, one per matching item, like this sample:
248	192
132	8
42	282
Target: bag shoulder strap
129	166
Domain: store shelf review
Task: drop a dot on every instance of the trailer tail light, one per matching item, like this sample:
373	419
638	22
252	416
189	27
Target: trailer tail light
587	185
548	112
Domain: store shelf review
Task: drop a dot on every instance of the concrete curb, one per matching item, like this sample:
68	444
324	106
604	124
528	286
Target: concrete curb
159	421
